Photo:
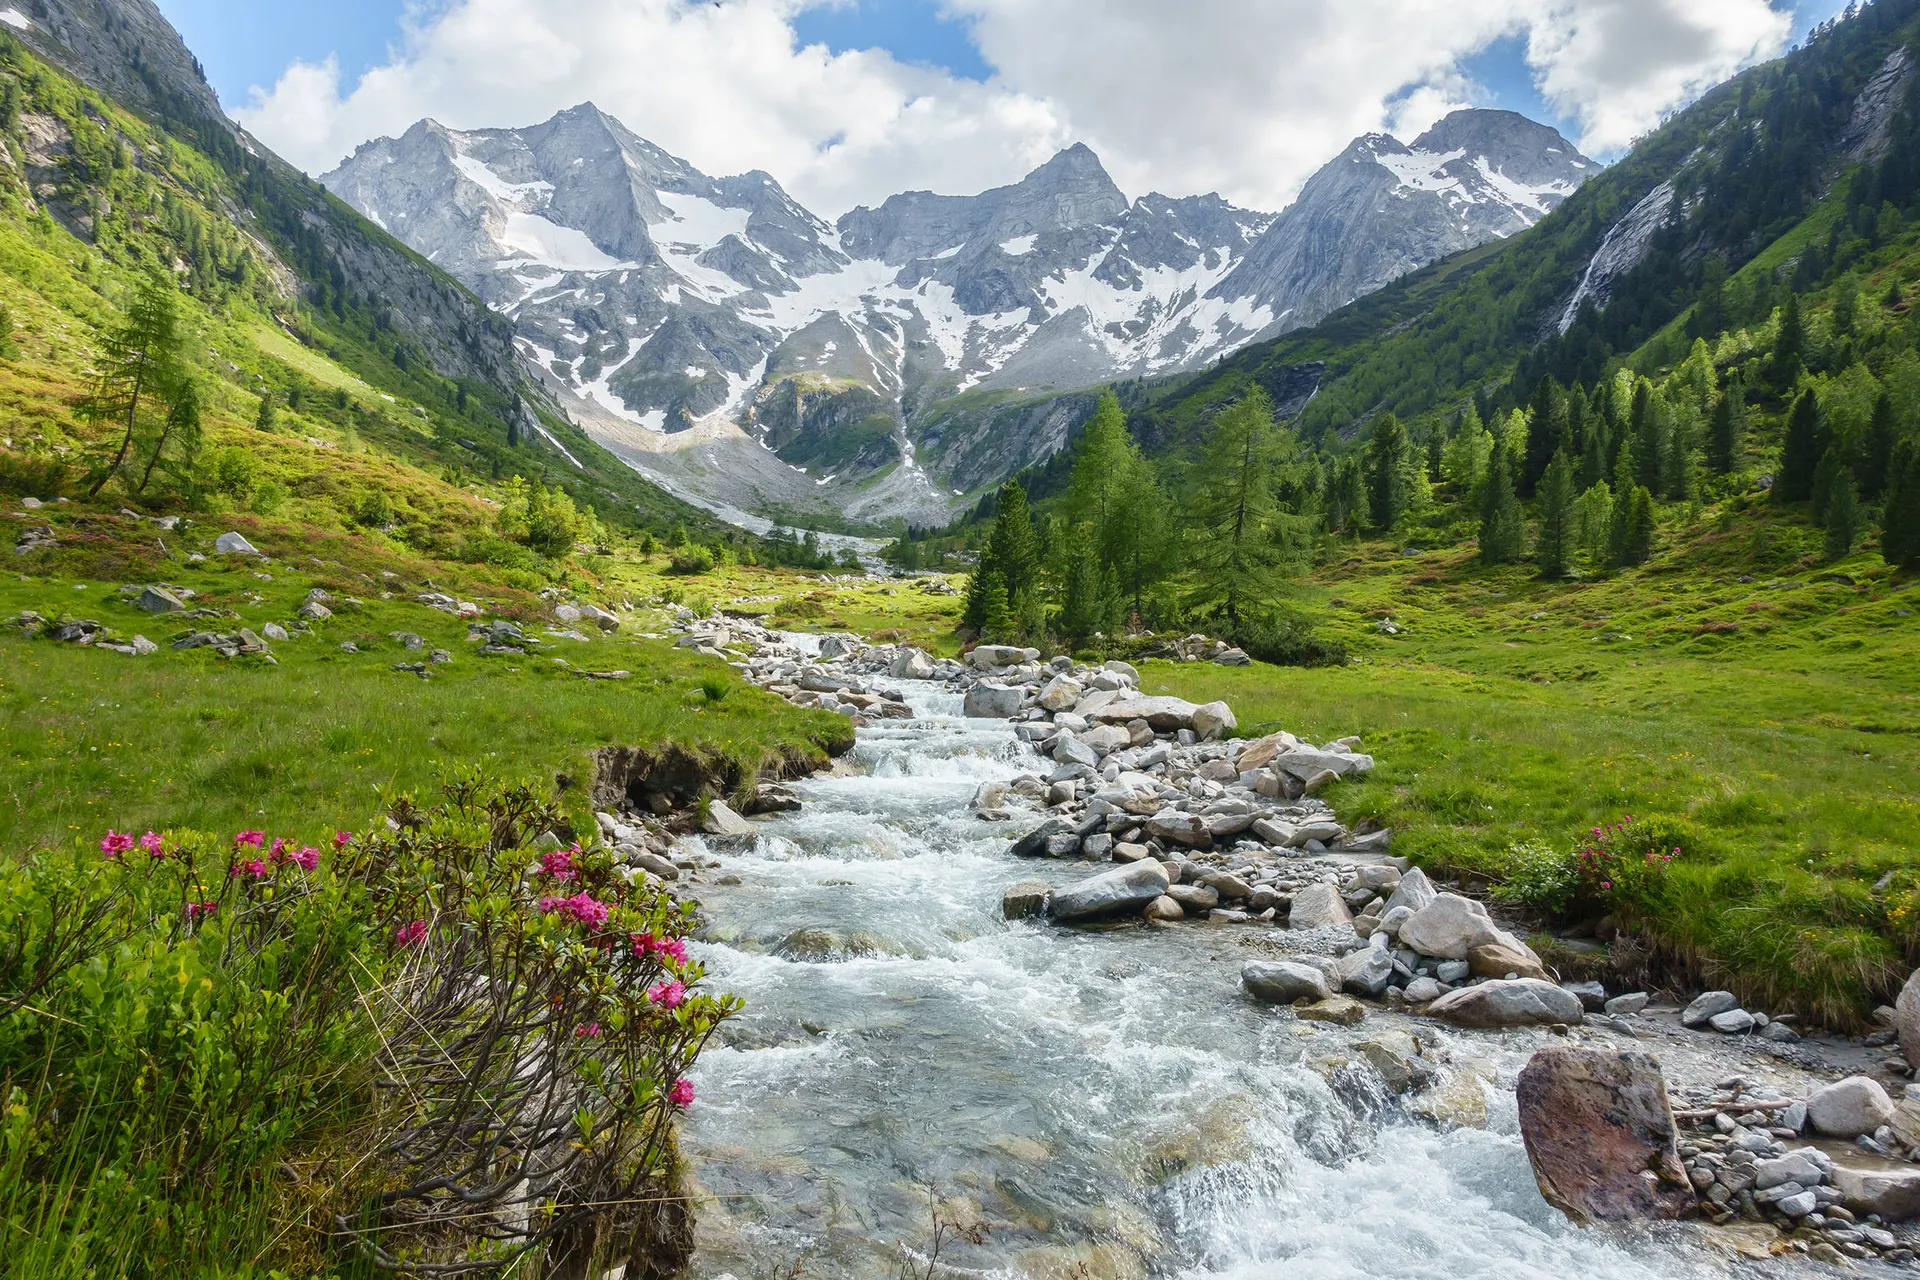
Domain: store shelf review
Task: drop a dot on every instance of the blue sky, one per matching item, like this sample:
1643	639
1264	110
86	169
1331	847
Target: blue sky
244	43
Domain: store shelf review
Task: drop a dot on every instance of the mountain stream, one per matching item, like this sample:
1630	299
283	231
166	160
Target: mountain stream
1107	1102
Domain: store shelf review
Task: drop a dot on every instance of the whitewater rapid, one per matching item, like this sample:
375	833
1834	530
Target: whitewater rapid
1102	1097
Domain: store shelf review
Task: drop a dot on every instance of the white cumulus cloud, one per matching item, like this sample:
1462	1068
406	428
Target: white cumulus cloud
1244	97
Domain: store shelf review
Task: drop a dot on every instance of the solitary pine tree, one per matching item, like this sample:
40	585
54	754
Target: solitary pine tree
1503	526
1844	517
265	418
141	363
1559	528
1900	526
1389	492
175	448
1801	451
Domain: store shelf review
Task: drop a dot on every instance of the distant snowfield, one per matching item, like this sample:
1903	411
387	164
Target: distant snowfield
698	221
15	19
531	236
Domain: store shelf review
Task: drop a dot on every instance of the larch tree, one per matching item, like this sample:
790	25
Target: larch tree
142	365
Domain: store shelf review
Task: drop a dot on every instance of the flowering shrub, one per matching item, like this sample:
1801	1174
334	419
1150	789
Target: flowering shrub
1618	867
1623	865
504	1060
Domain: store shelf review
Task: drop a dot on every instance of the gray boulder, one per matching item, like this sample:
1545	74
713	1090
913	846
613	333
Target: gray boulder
1034	843
1414	892
1025	899
1125	891
1849	1108
1706	1005
158	600
1213	720
1318	905
1180	828
1060	694
1448	928
1068	749
232	544
1366	972
1165	714
1894	1194
1283	981
721	820
989	701
1520	1002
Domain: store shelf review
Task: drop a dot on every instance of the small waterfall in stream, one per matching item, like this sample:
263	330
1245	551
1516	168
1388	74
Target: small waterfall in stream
1105	1099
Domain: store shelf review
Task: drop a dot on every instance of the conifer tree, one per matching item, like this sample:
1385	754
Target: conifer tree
264	419
1595	517
1632	535
1900	526
973	614
1643	432
1389	491
1014	549
142	363
1087	603
1240	549
1558	521
1876	450
1546	432
1789	345
1843	518
1503	526
1113	490
1725	430
1801	451
1826	477
996	614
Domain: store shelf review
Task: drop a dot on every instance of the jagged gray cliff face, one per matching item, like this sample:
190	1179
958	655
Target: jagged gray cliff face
816	364
1381	209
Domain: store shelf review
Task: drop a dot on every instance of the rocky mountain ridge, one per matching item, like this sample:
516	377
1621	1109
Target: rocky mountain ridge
806	358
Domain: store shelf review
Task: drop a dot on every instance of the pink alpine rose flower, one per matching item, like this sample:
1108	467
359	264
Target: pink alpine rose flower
306	858
115	843
154	845
410	934
253	838
681	1095
668	995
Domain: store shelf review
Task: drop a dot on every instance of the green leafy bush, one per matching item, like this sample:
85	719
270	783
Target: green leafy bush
1287	641
693	560
1539	876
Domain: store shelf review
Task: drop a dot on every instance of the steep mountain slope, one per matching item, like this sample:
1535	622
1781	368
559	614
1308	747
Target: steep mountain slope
1613	265
316	296
671	302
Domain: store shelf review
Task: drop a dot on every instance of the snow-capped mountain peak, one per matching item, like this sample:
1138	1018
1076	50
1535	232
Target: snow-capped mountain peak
667	299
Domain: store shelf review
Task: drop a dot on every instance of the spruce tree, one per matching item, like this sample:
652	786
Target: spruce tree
1844	518
1900	526
1640	538
997	623
1087	602
1013	546
974	614
1503	526
264	419
1876	450
1826	477
1388	492
1113	490
1801	451
1789	345
1643	436
1546	432
1724	431
1558	521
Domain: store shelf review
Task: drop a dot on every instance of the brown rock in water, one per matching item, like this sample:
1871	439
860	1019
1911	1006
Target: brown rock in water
1506	956
1600	1134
